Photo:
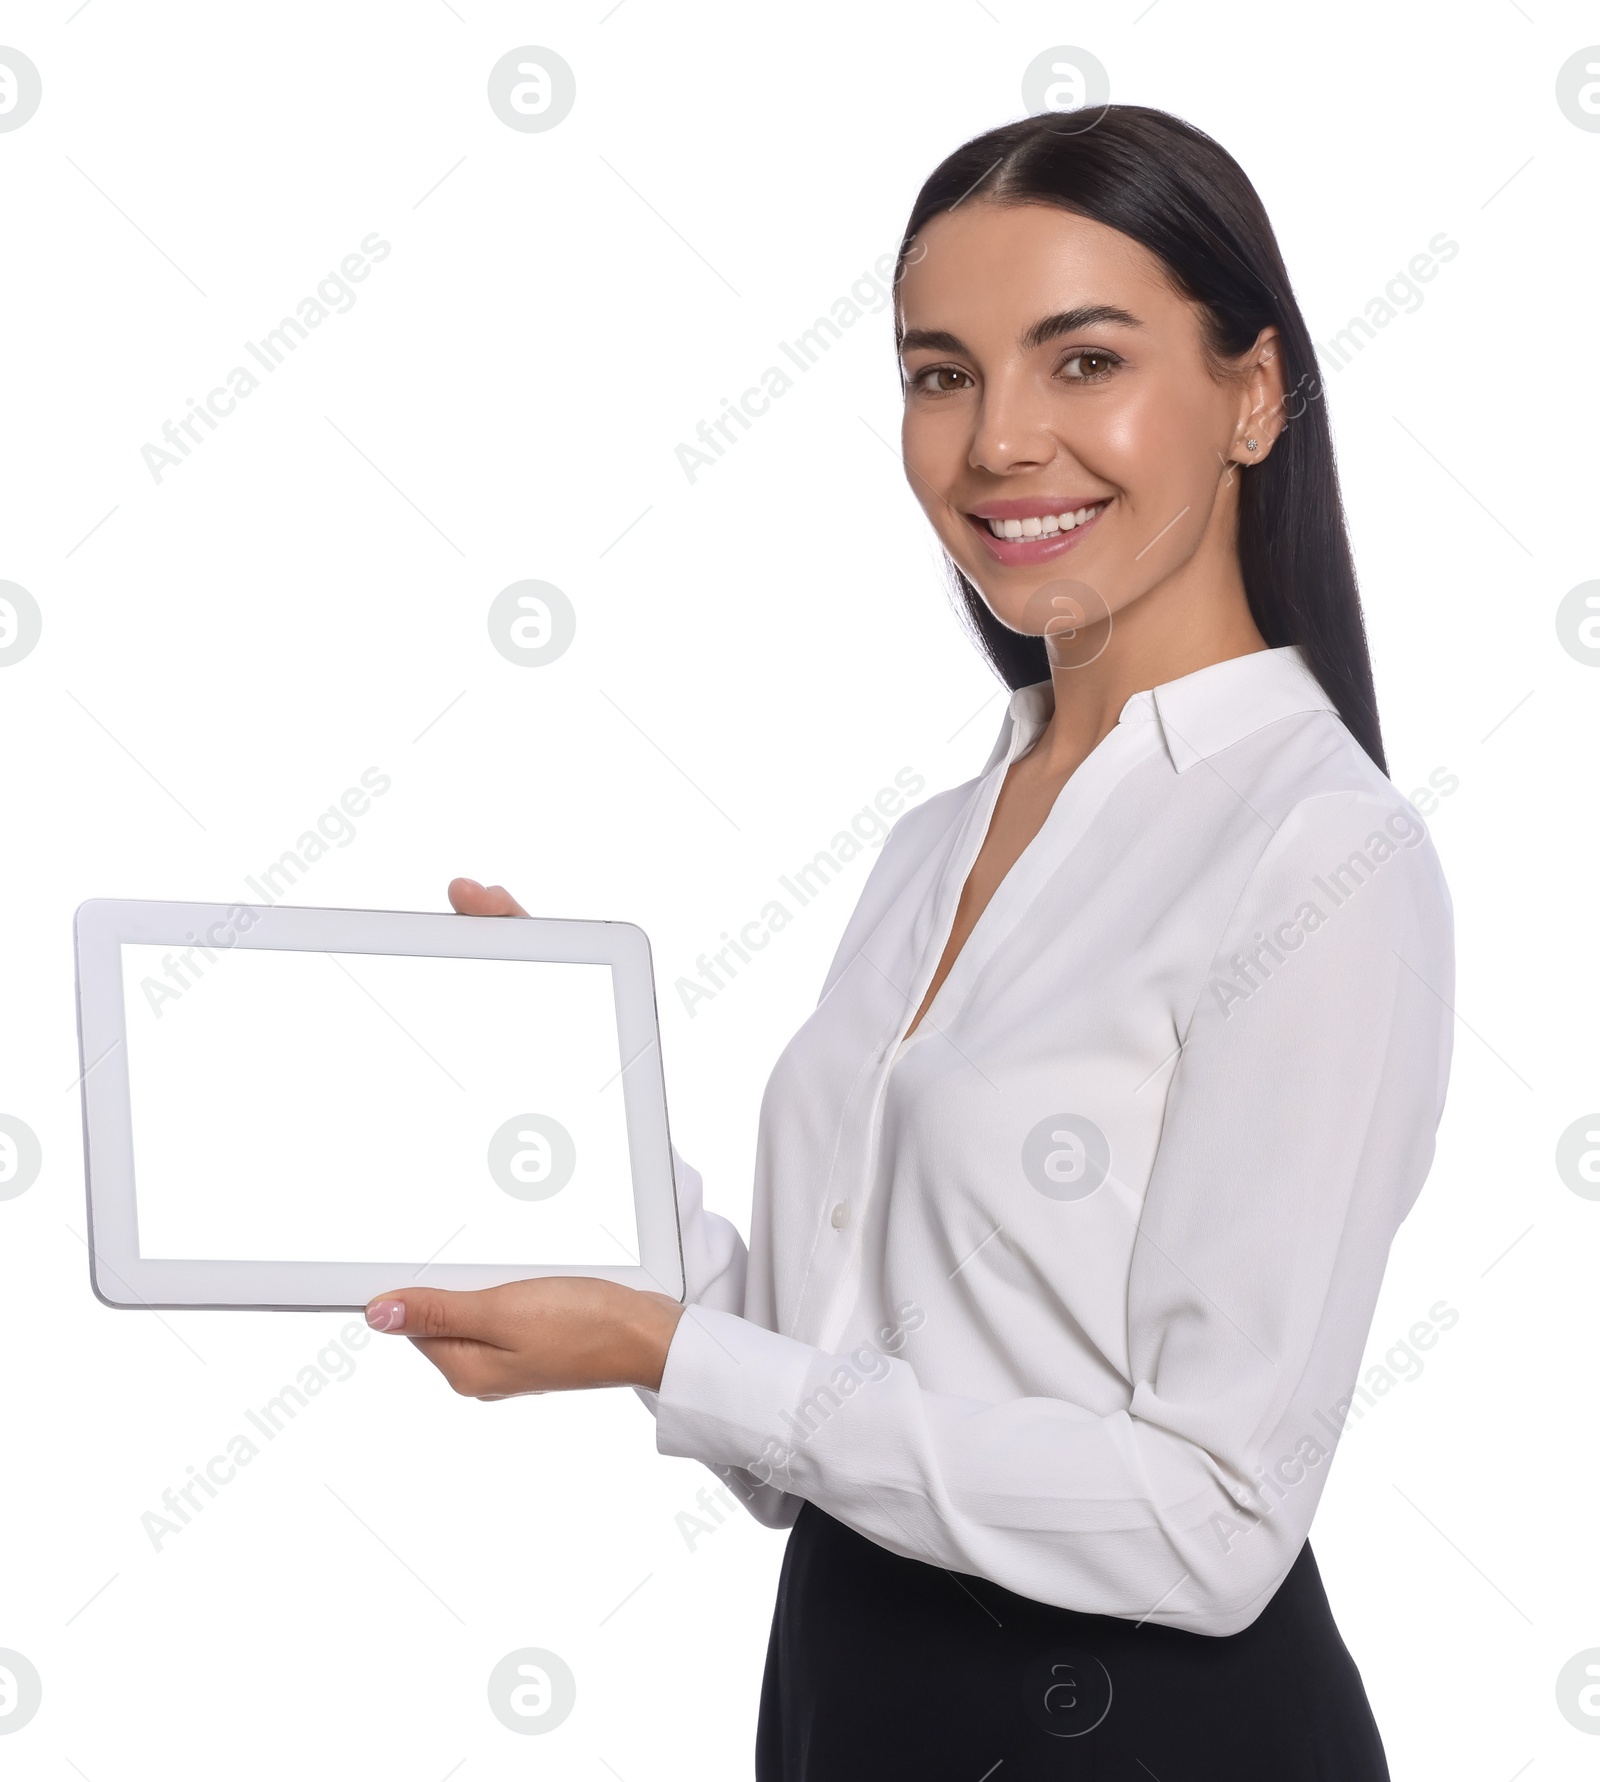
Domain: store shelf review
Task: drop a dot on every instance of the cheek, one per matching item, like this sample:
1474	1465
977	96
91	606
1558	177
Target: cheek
1162	440
1134	439
934	446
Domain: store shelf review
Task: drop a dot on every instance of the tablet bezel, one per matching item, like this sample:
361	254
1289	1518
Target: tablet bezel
123	1279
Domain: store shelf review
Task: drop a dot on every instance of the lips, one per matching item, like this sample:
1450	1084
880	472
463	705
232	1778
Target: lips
1037	532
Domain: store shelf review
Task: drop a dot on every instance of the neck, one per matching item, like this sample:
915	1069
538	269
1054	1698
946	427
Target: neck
1190	619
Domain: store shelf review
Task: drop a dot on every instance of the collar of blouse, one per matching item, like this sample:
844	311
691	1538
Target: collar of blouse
1200	714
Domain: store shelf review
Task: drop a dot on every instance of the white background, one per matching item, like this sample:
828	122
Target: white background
757	654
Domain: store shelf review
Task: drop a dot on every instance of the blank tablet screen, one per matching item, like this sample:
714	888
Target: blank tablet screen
338	1107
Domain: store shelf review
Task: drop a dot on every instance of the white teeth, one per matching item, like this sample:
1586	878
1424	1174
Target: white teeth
1044	525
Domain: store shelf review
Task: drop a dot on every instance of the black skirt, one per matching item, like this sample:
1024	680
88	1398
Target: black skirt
884	1669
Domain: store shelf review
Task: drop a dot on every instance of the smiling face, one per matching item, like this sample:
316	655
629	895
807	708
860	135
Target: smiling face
1063	422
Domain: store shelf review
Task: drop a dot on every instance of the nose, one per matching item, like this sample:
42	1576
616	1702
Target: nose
1011	427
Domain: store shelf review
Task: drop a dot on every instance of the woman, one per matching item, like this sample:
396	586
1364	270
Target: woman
1075	1192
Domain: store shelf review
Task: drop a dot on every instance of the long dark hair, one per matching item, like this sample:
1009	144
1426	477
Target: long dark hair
1171	188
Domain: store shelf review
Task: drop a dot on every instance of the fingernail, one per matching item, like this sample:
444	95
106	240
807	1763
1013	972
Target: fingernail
387	1314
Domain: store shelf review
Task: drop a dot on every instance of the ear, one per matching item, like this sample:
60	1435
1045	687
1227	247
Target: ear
1261	412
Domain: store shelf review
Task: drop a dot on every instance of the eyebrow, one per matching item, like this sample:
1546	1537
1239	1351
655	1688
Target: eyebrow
1067	321
1070	321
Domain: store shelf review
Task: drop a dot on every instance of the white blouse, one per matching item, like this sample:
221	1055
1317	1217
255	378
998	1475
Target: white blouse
1069	1290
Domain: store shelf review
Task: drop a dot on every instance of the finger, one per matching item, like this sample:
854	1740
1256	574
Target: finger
478	1318
469	898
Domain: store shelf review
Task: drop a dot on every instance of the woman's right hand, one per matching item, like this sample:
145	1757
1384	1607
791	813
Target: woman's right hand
469	898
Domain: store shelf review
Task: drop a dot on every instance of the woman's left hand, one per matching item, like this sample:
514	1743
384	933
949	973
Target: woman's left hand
547	1335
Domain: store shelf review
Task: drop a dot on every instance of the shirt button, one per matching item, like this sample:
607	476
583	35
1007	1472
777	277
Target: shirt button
839	1215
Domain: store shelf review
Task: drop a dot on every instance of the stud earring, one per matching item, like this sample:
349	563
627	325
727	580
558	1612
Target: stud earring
1250	445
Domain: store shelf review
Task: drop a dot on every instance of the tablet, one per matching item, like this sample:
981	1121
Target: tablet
299	1109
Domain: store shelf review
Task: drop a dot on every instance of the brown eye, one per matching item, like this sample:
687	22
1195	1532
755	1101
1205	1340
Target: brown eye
1090	365
942	380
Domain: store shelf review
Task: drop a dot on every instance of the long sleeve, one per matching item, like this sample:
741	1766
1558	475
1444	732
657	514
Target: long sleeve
714	1264
1298	1127
714	1255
